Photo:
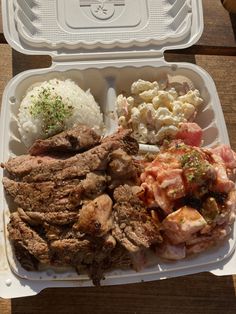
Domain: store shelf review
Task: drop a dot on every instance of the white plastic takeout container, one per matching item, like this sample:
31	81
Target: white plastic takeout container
105	45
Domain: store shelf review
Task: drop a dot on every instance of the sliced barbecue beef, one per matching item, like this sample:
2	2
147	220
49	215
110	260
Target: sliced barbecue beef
73	167
65	217
95	217
71	251
83	251
118	258
27	260
44	196
77	139
95	257
24	164
23	235
127	142
47	169
54	218
133	227
55	195
59	232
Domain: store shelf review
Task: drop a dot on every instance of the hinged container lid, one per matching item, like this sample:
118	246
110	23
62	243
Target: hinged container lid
93	29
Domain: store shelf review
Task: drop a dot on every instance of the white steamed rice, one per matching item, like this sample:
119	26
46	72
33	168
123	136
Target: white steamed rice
84	110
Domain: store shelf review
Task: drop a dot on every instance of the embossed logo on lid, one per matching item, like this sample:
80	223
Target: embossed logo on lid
102	9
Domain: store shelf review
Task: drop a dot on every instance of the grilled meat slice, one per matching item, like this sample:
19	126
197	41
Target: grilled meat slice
22	234
78	251
127	142
118	258
24	164
54	218
77	139
55	196
133	227
27	260
71	251
45	196
73	167
60	232
88	255
95	217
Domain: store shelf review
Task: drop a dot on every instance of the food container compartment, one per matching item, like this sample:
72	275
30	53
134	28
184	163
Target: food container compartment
105	55
105	82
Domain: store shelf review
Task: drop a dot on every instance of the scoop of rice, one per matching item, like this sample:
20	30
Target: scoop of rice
54	106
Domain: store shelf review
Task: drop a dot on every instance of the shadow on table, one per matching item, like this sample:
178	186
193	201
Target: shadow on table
201	293
180	57
21	62
233	22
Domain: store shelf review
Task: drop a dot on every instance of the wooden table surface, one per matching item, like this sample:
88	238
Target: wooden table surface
200	293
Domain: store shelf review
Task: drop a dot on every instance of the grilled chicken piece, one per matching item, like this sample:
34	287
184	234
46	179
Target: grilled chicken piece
122	168
133	227
180	225
20	233
77	139
94	184
95	217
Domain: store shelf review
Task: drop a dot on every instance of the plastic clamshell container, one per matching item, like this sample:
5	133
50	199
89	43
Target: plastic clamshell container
105	52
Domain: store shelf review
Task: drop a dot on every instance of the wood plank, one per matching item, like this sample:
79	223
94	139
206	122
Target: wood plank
1	26
5	67
2	38
219	25
223	72
5	306
201	293
219	28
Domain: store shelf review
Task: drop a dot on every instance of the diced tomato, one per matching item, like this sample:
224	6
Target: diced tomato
190	133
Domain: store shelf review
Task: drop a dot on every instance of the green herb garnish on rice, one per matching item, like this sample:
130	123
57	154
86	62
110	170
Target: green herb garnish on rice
51	110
